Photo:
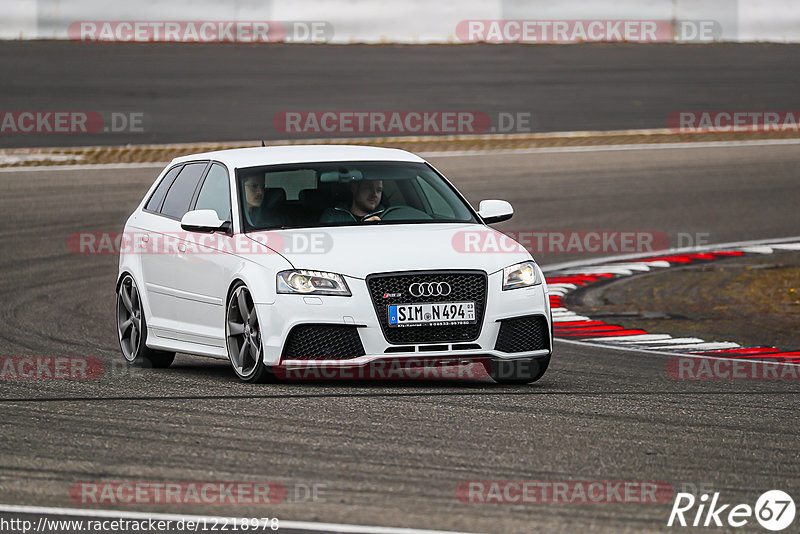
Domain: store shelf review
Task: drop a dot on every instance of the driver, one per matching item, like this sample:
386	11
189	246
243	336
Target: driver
367	196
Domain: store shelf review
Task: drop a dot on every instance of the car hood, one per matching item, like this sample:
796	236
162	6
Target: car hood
358	251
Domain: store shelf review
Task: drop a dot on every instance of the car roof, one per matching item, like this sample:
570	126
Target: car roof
274	155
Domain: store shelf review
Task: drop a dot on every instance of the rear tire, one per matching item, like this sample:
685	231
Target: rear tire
520	371
132	329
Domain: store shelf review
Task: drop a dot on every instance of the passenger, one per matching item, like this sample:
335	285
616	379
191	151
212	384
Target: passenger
254	196
364	207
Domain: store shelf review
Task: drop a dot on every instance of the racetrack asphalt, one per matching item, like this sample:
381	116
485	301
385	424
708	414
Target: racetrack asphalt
393	453
225	92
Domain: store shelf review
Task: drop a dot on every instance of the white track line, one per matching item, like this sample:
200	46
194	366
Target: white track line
87	167
557	319
668	340
562	286
289	525
610	148
757	250
704	346
642	266
25	158
639	338
657	263
602	269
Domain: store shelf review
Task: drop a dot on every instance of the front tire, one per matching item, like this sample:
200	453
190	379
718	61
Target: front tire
132	329
243	337
520	371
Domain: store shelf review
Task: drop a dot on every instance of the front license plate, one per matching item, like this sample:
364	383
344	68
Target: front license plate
432	314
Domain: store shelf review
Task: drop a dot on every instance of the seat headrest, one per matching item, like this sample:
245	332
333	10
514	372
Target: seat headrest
314	199
273	196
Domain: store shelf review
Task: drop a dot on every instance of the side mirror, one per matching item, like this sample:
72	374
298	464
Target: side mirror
495	211
202	221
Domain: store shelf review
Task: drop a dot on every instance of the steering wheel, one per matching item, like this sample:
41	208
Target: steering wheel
399	213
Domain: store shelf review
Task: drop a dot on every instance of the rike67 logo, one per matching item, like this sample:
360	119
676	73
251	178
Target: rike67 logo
774	510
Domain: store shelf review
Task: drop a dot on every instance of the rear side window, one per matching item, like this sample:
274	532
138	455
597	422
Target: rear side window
176	204
158	195
215	193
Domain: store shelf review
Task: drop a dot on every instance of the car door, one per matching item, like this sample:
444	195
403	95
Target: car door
159	242
205	266
145	226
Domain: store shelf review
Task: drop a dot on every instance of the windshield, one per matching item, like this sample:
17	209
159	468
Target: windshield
346	193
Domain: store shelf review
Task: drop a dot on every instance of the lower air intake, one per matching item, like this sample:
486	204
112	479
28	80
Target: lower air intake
523	334
323	342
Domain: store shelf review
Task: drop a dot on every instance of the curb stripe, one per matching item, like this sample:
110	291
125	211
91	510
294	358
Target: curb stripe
573	275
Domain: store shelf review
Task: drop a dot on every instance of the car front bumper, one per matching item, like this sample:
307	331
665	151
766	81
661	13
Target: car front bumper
278	319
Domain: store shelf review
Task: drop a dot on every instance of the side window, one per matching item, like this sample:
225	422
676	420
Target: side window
439	205
180	194
215	193
158	195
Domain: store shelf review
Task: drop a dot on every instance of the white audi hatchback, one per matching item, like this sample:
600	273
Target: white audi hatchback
346	256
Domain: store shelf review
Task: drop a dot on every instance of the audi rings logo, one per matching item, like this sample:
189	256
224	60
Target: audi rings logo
429	289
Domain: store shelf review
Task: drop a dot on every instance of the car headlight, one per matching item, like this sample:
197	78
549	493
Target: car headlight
303	282
525	274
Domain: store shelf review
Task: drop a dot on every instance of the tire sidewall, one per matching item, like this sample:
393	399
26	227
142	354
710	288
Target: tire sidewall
137	359
260	371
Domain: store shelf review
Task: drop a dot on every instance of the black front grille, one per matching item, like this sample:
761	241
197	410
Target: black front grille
323	342
523	334
465	285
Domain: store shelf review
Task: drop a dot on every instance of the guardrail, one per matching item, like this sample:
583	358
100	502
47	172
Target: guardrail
405	21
